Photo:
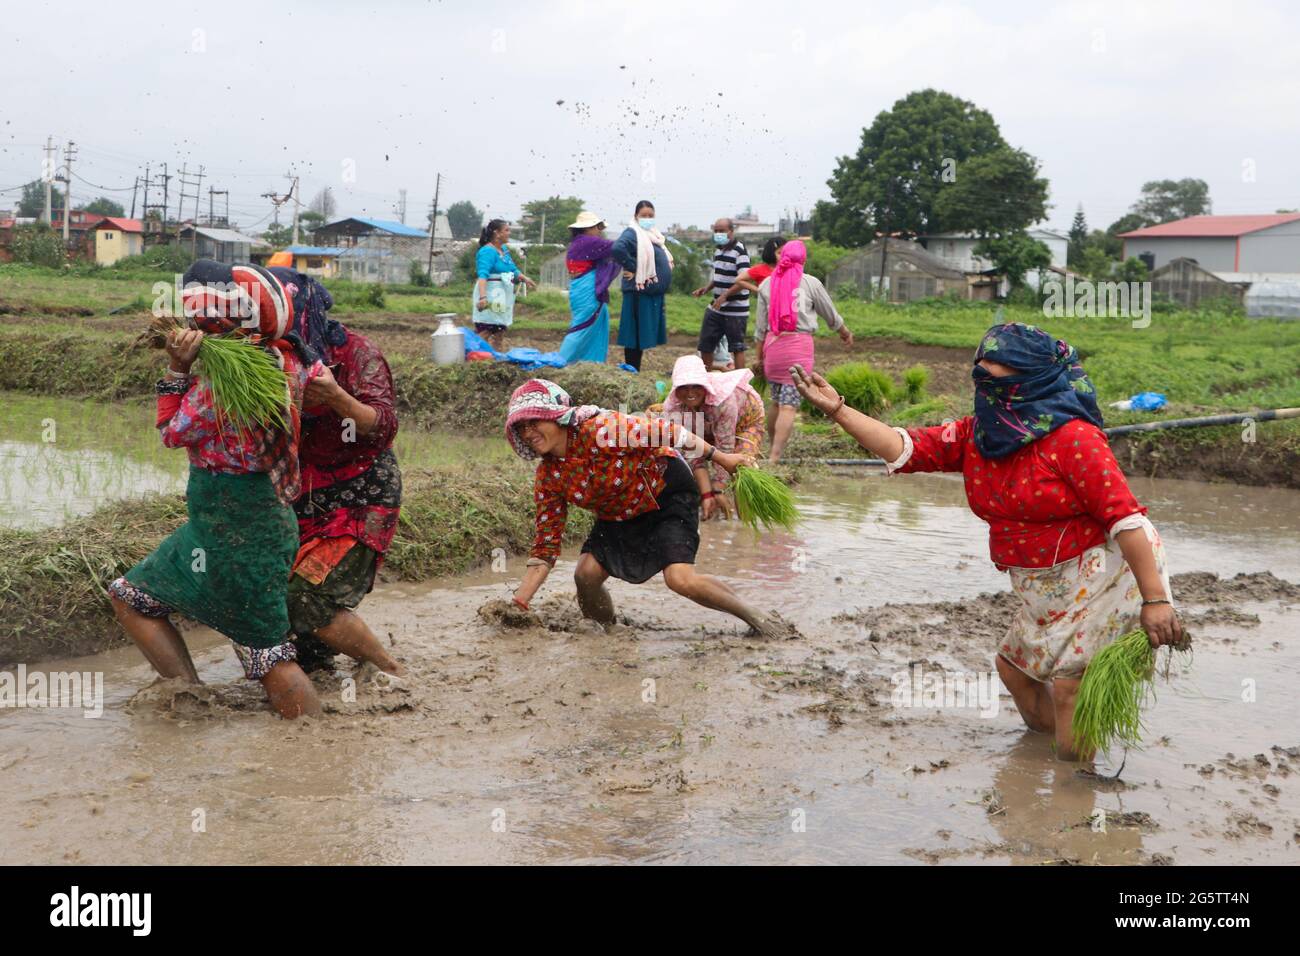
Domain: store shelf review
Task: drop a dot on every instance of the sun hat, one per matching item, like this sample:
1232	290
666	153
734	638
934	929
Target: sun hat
586	220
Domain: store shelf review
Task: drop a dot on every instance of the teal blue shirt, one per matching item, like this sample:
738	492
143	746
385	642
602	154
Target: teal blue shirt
489	262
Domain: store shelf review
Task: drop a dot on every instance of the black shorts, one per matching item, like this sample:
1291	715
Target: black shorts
639	548
716	325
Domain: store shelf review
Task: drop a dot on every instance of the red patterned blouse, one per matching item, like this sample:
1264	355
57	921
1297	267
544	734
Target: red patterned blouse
613	468
1044	504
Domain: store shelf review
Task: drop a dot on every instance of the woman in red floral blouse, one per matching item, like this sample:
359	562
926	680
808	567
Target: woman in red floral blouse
628	472
1083	557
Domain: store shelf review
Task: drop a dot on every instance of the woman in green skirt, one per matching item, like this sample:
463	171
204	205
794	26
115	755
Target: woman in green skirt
228	566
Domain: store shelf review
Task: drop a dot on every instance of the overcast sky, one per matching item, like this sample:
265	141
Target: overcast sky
703	107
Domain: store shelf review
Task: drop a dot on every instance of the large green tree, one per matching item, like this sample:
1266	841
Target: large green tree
103	206
1014	254
465	220
32	203
1078	237
558	214
908	155
997	193
1164	200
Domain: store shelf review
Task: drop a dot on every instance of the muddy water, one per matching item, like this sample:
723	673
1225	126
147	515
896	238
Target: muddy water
677	738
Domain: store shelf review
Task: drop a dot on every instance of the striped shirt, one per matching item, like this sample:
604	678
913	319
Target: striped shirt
727	263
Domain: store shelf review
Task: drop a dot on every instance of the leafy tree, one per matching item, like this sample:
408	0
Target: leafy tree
1133	269
822	258
689	263
308	223
32	203
907	156
466	221
103	206
323	204
1013	255
278	236
558	214
997	193
1095	263
1078	237
1164	200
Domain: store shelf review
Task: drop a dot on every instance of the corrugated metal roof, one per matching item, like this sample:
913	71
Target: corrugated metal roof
125	225
314	250
385	225
224	235
1198	227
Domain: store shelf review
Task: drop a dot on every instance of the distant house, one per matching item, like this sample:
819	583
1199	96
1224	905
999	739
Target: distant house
911	272
222	245
319	261
957	249
115	238
379	250
1264	243
1188	284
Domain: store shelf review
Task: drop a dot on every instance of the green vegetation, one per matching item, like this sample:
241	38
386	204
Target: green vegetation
762	498
1117	682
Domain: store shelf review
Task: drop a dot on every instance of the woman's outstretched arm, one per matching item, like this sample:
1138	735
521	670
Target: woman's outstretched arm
875	436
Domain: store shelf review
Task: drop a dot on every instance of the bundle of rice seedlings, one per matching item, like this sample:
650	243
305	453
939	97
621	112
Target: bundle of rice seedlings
248	387
1119	680
762	498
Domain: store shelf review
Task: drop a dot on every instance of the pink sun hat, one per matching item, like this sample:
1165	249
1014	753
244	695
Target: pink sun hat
540	400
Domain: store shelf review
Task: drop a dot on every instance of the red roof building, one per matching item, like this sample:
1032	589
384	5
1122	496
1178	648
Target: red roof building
1247	243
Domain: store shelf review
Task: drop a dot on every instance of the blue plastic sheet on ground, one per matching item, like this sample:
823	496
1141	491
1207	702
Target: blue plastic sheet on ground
476	343
1147	402
629	368
529	359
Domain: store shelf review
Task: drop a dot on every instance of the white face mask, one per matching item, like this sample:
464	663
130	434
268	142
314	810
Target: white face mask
646	223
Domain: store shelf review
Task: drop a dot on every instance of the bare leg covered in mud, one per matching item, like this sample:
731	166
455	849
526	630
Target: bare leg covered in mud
159	642
349	634
291	691
593	596
708	591
1046	708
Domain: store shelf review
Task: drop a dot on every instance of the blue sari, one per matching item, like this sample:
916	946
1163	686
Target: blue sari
591	270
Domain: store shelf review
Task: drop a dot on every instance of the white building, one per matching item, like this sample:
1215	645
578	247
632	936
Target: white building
957	249
1222	244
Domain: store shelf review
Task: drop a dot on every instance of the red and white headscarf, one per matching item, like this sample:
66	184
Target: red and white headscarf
218	298
540	400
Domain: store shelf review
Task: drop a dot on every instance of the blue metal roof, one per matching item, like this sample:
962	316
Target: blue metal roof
390	225
314	250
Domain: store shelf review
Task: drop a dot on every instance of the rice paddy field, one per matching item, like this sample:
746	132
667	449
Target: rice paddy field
887	579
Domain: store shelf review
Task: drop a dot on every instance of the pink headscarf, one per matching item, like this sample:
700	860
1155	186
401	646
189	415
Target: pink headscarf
782	314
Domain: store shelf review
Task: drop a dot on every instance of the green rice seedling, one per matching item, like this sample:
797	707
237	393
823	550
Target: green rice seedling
914	382
248	386
762	498
1119	680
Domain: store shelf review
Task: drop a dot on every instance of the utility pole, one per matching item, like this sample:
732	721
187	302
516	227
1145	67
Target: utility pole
401	206
541	240
69	154
134	189
297	204
47	174
433	222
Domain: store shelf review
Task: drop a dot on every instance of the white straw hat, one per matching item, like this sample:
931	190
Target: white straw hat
586	220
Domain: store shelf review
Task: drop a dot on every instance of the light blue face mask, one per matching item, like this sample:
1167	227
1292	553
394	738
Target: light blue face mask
719	238
646	223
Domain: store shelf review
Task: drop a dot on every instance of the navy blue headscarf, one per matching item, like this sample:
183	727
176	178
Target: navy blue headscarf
1049	389
311	301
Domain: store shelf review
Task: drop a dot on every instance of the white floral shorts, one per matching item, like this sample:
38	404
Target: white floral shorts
1073	609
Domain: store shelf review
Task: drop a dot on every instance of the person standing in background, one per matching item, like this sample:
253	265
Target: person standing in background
494	289
647	277
727	316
